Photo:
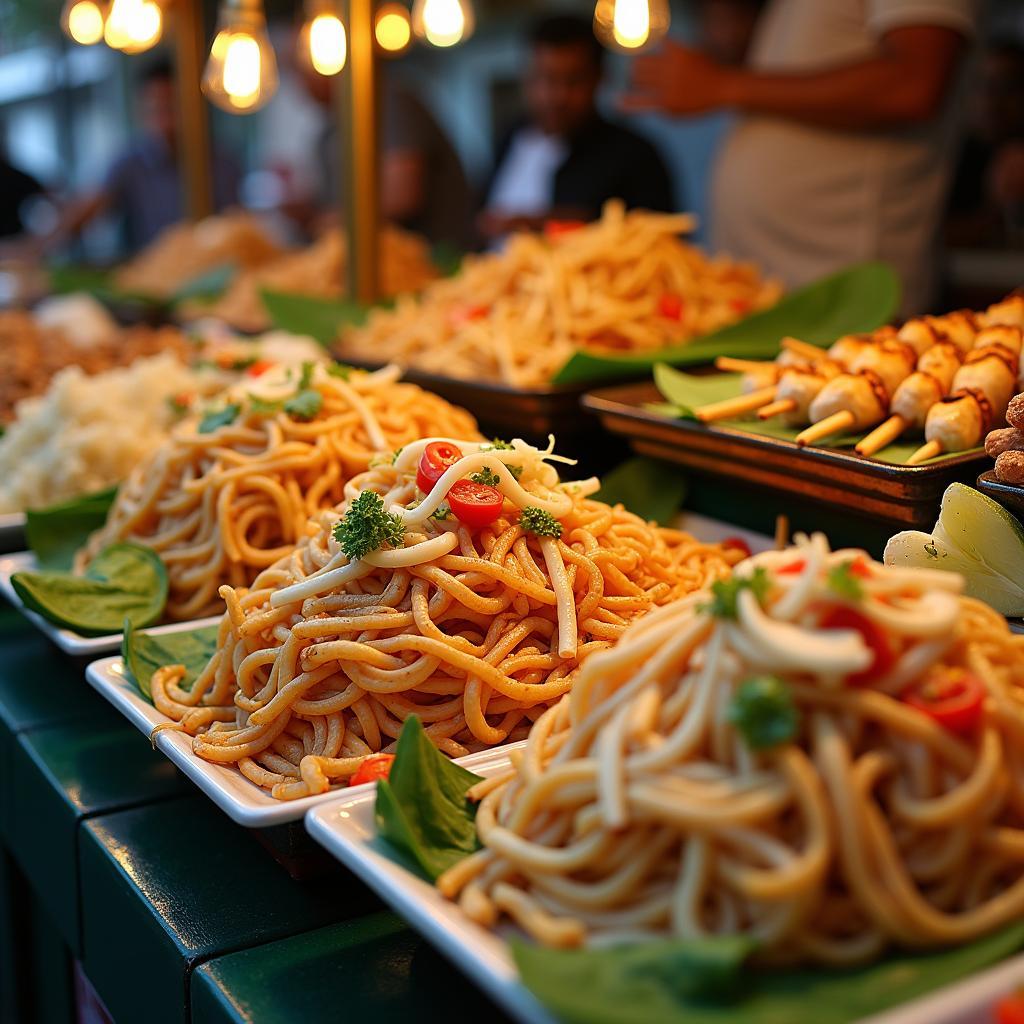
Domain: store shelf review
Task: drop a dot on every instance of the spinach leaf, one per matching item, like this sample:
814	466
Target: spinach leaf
647	487
853	301
54	534
321	319
144	653
422	807
207	286
671	982
125	581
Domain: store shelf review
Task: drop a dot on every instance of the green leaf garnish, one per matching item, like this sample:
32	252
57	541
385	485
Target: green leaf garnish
725	593
340	370
56	533
841	581
143	653
220	418
306	378
124	581
368	526
422	807
764	713
539	522
263	406
442	513
305	405
498	445
487	477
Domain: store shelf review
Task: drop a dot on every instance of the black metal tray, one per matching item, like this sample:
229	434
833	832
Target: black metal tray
1010	496
907	496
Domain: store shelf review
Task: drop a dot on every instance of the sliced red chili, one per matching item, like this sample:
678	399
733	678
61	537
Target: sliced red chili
372	768
435	460
953	697
792	568
671	306
883	656
475	504
259	367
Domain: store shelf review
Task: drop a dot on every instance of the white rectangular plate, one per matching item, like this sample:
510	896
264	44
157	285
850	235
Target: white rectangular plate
345	827
240	799
12	531
67	640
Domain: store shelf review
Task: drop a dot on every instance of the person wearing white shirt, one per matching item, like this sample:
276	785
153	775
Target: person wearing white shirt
843	148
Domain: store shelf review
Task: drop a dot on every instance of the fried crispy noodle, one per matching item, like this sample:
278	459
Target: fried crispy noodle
638	810
219	507
405	266
625	283
474	630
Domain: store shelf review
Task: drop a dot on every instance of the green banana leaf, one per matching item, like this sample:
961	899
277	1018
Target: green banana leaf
321	319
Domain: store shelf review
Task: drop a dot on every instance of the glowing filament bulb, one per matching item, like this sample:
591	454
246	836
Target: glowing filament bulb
242	69
328	44
631	23
443	22
392	28
133	25
83	22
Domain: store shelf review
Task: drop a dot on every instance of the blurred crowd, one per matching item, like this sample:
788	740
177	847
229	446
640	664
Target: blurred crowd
860	129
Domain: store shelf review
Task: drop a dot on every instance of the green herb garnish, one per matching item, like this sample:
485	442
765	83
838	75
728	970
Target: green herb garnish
264	406
220	418
841	581
305	405
539	522
487	477
764	713
368	526
306	378
340	370
443	513
177	405
498	445
725	593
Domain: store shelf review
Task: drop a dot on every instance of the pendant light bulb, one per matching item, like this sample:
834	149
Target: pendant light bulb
83	21
133	26
631	25
443	22
393	29
323	42
241	72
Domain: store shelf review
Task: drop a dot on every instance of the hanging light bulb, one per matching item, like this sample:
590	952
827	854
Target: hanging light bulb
393	28
82	21
630	25
322	43
133	26
241	72
443	22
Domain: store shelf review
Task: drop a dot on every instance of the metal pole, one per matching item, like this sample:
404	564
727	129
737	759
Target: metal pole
356	112
193	128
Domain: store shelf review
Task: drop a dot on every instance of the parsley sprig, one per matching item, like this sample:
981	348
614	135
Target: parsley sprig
725	593
764	712
539	522
368	526
486	476
498	445
842	581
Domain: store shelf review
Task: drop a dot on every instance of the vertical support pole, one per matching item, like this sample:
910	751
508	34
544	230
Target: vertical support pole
193	129
357	114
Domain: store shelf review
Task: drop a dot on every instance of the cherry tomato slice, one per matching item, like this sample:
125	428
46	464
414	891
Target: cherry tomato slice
475	504
557	228
436	458
376	766
953	697
1010	1009
740	305
842	617
259	367
737	544
671	306
793	568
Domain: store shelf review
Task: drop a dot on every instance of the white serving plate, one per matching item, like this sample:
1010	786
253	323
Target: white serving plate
12	531
712	531
240	799
67	640
345	827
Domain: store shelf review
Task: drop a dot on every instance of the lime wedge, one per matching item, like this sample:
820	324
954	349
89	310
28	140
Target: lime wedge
976	537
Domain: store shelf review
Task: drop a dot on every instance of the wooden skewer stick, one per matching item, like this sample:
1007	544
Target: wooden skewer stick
738	406
925	452
882	436
783	405
834	424
729	364
802	348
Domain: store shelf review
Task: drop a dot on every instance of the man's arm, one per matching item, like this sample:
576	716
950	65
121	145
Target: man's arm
905	83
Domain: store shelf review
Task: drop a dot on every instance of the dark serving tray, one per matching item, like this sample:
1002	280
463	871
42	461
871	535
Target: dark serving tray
1010	496
905	495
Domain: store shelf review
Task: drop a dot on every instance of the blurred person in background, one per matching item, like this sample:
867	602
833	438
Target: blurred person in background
423	187
143	186
566	160
16	189
725	28
843	148
986	206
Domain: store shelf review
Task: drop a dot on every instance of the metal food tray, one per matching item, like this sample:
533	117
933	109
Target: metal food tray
907	496
1010	496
